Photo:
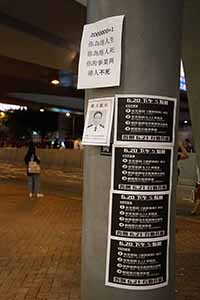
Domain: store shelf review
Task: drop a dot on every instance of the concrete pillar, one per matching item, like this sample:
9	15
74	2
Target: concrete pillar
191	60
150	65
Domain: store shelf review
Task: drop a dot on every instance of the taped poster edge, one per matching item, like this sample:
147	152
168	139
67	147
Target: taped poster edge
144	96
107	141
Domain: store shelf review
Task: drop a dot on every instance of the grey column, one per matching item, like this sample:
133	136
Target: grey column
191	60
150	65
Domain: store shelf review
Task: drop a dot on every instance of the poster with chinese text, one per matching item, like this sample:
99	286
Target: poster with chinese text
98	123
100	54
145	118
137	264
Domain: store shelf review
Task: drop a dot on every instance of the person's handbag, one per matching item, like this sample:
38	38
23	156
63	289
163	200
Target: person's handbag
33	167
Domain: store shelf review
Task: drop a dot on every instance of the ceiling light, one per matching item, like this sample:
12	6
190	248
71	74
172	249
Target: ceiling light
2	114
55	81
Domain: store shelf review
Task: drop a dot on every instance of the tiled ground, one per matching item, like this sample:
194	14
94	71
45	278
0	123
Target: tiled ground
39	246
10	172
188	260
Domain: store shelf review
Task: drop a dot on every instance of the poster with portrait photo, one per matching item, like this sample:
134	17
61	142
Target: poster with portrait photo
98	122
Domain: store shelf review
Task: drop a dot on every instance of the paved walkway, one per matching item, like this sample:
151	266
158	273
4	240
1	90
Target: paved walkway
40	241
15	172
39	246
188	259
58	182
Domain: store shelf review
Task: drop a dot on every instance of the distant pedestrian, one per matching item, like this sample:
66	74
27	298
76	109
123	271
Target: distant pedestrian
188	145
77	144
196	207
182	154
32	162
56	144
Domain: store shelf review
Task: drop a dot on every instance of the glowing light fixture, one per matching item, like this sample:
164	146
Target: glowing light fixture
41	109
55	81
2	114
185	121
7	107
67	114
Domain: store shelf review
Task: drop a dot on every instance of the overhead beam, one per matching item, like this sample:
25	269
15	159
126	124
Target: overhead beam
83	2
42	32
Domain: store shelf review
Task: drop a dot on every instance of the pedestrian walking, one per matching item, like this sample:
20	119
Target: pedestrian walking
32	162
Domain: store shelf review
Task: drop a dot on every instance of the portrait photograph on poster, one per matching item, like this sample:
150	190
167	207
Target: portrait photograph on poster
98	122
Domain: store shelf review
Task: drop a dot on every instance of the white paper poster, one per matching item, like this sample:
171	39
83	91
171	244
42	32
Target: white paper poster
98	123
100	55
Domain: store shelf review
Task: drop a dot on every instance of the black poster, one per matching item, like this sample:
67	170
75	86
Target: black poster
138	264
141	169
139	216
145	119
